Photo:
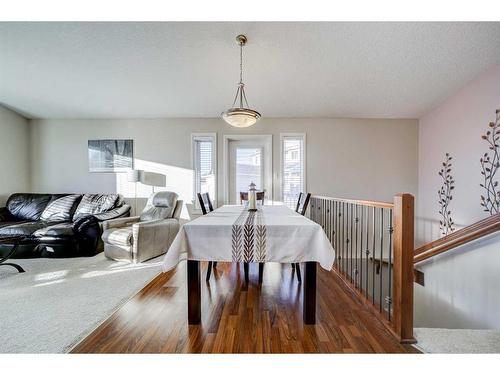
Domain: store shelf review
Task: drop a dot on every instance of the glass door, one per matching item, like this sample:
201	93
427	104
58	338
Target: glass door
246	166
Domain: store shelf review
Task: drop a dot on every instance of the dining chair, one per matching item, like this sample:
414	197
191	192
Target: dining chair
260	196
205	203
206	207
301	208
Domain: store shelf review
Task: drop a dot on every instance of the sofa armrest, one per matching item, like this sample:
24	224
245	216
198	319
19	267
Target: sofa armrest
153	238
120	222
122	211
4	214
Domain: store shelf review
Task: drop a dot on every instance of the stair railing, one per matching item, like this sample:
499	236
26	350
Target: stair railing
374	254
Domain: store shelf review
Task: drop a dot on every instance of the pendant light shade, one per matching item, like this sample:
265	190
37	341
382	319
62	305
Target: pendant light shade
241	116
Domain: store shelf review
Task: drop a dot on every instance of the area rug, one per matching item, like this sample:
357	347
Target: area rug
57	302
440	340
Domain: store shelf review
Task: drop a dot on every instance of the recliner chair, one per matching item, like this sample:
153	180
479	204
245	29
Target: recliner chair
139	238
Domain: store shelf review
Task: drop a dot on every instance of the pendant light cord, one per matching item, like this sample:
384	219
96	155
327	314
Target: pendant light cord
241	62
241	86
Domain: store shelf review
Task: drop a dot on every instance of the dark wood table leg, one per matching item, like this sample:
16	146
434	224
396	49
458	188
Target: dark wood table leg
194	292
261	272
309	293
245	271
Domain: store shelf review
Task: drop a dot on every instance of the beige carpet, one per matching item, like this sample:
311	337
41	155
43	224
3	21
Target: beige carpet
440	340
57	302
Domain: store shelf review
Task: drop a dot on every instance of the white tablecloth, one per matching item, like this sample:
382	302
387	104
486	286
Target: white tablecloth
232	234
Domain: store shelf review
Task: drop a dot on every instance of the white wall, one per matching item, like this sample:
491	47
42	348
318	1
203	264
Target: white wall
359	158
14	157
460	286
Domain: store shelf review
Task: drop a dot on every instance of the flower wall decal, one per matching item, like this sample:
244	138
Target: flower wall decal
490	163
446	224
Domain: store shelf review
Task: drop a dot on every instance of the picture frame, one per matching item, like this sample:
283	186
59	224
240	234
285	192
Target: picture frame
110	155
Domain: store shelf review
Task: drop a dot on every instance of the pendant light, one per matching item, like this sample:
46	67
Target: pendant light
241	116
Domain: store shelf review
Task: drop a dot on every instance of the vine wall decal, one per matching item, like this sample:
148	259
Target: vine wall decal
446	224
490	163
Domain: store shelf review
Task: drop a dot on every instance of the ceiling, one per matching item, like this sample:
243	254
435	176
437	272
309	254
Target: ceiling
190	69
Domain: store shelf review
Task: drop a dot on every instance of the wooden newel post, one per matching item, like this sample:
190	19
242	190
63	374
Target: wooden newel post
403	267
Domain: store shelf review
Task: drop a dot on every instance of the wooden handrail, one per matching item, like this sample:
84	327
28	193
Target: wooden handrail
460	237
359	201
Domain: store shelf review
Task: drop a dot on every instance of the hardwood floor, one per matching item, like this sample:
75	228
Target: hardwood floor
237	319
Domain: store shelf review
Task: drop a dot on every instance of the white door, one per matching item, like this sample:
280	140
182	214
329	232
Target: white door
248	162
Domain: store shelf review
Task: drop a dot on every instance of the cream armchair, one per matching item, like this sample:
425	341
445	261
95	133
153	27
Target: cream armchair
139	238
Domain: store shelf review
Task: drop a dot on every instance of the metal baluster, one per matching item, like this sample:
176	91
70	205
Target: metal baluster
350	242
341	239
332	216
339	233
373	257
322	223
321	213
356	270
361	249
325	216
335	235
367	274
330	219
348	239
343	236
381	257
389	297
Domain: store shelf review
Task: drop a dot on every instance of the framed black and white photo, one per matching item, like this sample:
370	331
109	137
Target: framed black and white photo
111	155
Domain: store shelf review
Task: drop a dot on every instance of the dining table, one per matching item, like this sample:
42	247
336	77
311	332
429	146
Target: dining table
232	233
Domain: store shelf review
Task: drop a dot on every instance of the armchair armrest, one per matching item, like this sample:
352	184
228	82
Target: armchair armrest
153	238
113	214
120	222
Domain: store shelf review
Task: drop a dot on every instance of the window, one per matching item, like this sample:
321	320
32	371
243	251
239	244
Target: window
204	165
293	180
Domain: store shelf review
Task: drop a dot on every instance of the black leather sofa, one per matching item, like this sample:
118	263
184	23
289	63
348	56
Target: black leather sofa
58	225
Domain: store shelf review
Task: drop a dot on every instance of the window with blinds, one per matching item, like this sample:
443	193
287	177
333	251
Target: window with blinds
204	165
292	168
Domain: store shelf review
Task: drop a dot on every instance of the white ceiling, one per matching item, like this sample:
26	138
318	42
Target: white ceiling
300	69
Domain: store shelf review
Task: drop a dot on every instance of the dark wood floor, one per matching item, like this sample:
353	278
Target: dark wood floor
237	319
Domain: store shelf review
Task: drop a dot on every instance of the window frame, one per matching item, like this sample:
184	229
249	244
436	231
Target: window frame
283	137
199	137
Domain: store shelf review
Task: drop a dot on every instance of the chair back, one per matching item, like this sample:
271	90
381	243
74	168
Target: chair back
161	205
178	209
259	196
205	203
302	203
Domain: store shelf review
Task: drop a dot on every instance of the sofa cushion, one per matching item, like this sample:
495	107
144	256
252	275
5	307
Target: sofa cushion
24	229
160	205
95	204
61	209
118	236
27	206
56	230
9	223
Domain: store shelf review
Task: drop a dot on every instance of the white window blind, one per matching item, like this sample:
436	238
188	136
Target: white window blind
292	168
204	166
